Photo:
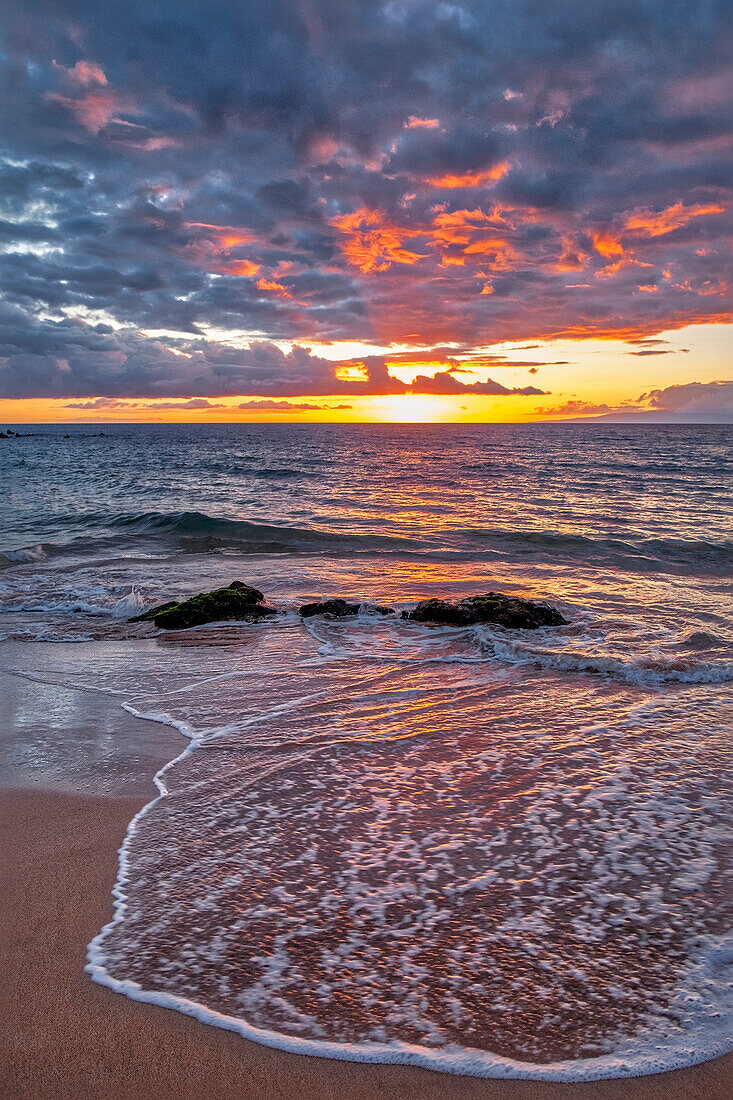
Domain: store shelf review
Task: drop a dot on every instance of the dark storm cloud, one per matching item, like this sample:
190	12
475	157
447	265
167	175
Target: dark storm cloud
417	173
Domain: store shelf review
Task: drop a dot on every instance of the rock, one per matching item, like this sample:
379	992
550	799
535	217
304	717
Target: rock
237	601
246	590
340	609
329	607
152	612
493	607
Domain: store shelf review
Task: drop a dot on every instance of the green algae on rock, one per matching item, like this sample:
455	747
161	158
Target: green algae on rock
492	607
236	601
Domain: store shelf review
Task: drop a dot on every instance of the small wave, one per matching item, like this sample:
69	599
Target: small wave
40	595
691	554
249	536
277	472
701	639
396	641
132	603
647	669
20	557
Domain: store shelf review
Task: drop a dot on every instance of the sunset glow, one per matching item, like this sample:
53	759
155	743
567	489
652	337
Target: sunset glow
178	231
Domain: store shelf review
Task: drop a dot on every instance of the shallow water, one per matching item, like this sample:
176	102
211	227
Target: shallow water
490	851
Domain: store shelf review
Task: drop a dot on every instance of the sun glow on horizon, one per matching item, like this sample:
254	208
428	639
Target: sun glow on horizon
577	377
411	408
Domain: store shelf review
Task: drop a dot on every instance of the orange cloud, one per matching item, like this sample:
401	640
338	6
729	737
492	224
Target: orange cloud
610	270
471	179
459	230
214	244
226	236
277	288
242	267
607	245
649	223
373	244
571	258
497	253
352	372
458	226
414	123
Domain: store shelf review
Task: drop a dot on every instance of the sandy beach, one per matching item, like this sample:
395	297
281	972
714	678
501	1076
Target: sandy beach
62	1036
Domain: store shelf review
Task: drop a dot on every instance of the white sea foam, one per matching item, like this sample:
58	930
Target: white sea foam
645	668
132	603
633	660
342	738
647	1054
306	763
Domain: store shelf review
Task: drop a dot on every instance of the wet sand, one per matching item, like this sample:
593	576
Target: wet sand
63	738
62	1036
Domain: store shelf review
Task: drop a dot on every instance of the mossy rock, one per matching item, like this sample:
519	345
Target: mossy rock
341	609
236	601
150	615
491	607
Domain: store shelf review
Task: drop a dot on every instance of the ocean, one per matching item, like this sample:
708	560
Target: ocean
480	850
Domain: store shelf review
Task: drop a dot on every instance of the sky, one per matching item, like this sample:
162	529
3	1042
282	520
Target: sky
504	210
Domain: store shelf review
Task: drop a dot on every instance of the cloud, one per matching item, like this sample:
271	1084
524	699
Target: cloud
689	402
575	407
266	405
259	186
70	359
117	403
192	403
98	403
708	399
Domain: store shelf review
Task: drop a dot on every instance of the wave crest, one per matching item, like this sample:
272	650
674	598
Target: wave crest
247	535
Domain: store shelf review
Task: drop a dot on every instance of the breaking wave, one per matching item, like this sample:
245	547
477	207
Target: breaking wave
249	536
200	532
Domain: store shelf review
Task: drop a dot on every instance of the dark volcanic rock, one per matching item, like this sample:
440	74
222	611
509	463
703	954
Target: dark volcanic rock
237	601
341	608
329	607
153	612
493	607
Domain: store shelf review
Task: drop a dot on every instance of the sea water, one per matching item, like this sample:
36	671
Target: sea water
487	851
